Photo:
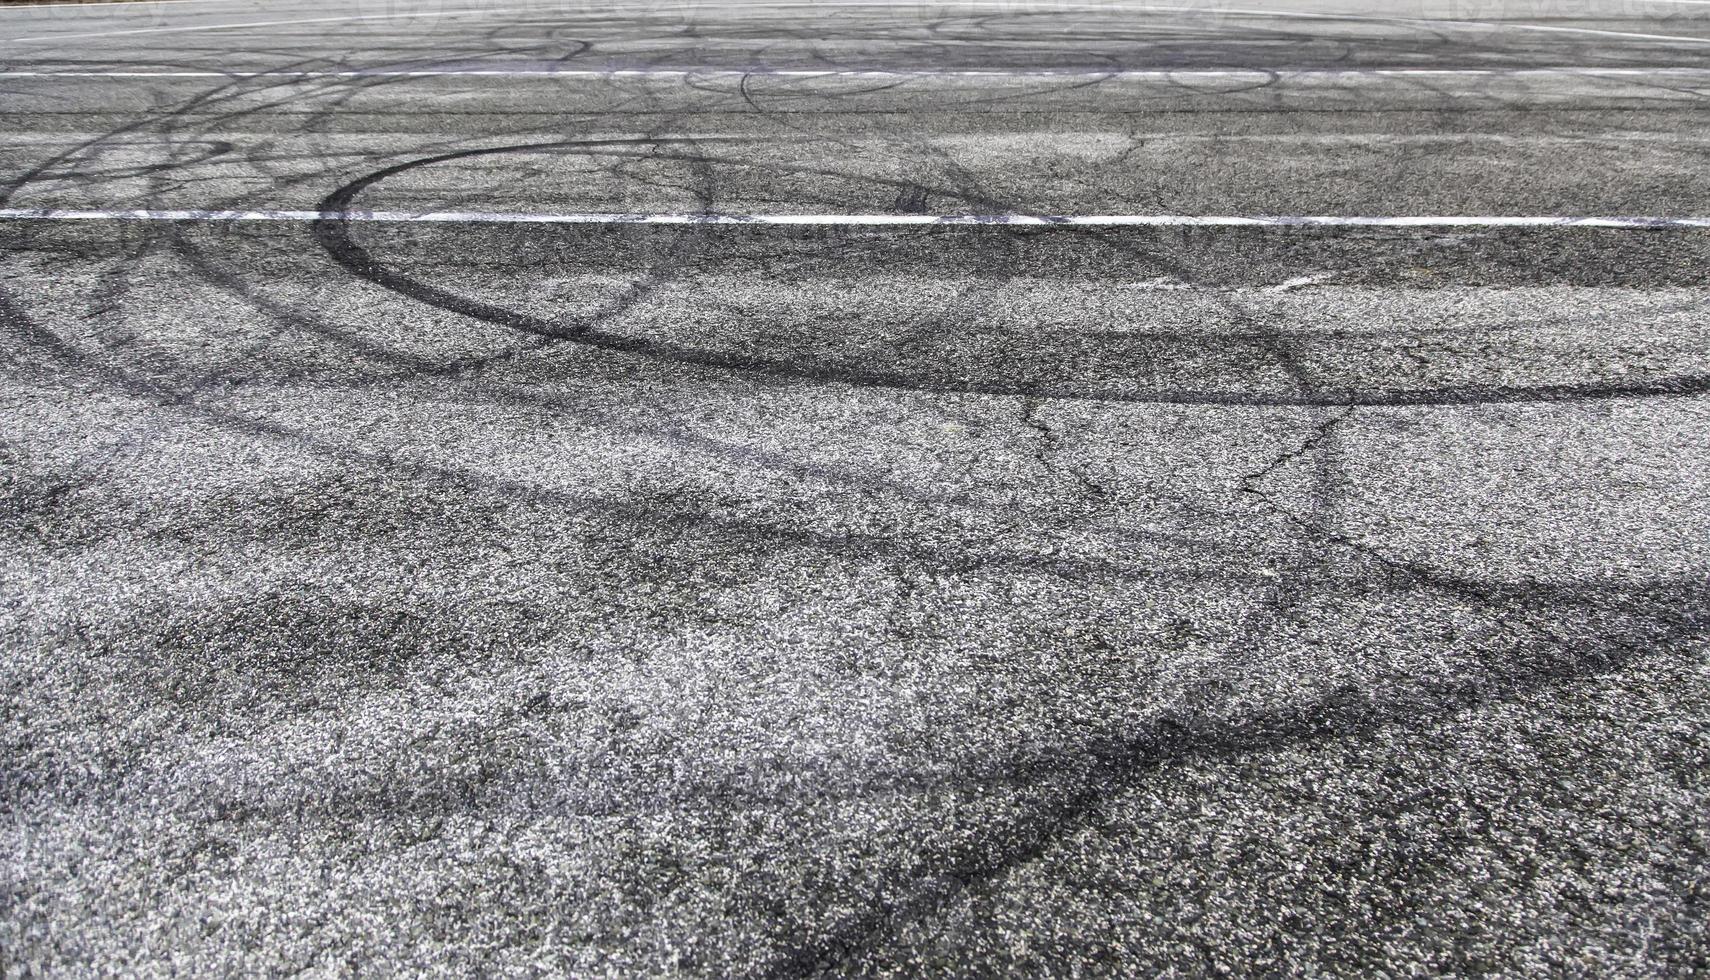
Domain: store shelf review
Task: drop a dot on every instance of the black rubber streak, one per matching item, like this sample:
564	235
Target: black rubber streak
1672	611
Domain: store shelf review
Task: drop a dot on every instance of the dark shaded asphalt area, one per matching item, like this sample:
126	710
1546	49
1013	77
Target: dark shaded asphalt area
469	598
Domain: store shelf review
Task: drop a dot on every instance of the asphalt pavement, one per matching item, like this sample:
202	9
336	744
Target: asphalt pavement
990	488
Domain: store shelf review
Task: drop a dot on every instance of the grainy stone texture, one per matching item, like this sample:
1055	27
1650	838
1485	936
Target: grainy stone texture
464	599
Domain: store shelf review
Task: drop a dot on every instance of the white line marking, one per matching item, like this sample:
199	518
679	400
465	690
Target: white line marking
1054	6
1149	8
904	73
869	220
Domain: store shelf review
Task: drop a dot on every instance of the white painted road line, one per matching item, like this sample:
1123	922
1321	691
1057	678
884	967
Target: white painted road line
868	220
1424	23
1339	74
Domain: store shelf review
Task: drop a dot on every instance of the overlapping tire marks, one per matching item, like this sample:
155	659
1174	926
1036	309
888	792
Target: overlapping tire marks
1666	614
336	235
1112	767
1505	674
414	367
1109	770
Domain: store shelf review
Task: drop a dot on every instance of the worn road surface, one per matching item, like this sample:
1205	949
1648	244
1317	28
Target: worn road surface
588	514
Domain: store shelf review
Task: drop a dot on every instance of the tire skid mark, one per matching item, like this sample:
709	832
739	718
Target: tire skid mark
861	937
1674	613
335	236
